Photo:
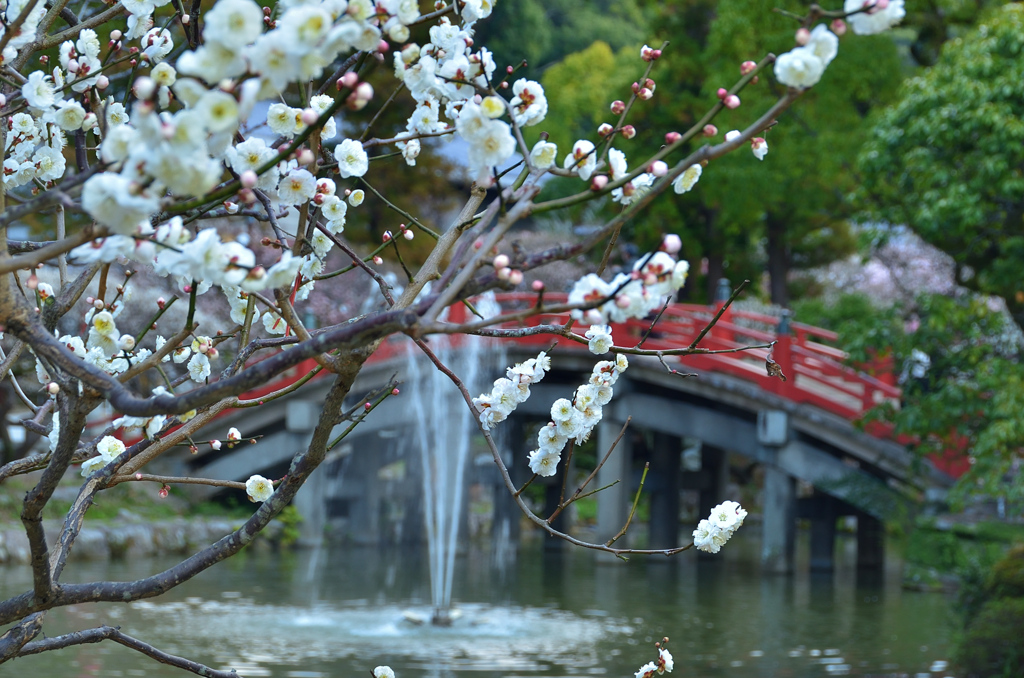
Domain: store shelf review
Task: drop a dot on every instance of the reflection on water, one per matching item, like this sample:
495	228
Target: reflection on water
548	614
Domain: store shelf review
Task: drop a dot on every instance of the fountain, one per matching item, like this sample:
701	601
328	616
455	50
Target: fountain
443	434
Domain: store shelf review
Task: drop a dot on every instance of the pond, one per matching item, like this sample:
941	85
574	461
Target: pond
342	611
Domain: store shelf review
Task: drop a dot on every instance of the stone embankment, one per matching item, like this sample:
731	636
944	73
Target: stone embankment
130	538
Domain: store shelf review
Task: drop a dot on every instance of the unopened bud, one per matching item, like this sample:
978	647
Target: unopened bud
249	179
838	27
349	80
618	107
537	286
163	490
604	129
504	273
394	391
747	67
185	19
515	277
731	101
383	46
629	131
126	342
645	93
306	157
722	93
710	130
98	304
671	243
367	406
309	116
659	168
408	234
598	182
803	36
102	82
378	260
501	261
53	388
215	444
364	91
672	137
387	236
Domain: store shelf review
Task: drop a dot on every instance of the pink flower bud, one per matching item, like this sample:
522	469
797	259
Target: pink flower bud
537	286
115	34
364	91
138	476
504	273
349	80
618	107
215	444
593	317
635	87
656	54
501	261
367	406
672	137
598	182
629	131
378	260
760	147
306	157
3	100
747	67
185	19
644	93
102	82
73	66
671	243
651	279
387	236
838	26
144	87
478	243
658	168
646	53
408	234
515	277
309	116
722	93
163	490
803	36
394	391
710	130
383	46
622	301
649	84
249	178
604	129
731	101
98	304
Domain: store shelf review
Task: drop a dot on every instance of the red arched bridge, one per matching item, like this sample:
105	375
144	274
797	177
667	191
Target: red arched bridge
813	461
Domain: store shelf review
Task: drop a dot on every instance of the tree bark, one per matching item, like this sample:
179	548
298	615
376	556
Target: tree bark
778	259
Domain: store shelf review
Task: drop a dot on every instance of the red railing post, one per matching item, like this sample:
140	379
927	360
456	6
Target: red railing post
722	294
782	355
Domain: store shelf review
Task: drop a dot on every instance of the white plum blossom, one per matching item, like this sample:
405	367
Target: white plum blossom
759	147
688	179
297	187
39	91
799	68
384	671
233	23
259	488
529	103
199	368
544	462
824	44
600	339
543	154
713	532
352	159
109	448
582	160
665	661
874	20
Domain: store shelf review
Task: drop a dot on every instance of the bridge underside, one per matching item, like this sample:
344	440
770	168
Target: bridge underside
815	465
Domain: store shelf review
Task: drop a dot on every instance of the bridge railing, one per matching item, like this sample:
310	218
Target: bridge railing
816	373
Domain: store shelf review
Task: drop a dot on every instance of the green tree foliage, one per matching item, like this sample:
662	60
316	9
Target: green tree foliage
742	216
948	158
963	384
546	31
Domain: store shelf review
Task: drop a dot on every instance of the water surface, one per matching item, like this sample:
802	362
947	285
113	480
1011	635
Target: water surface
340	612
